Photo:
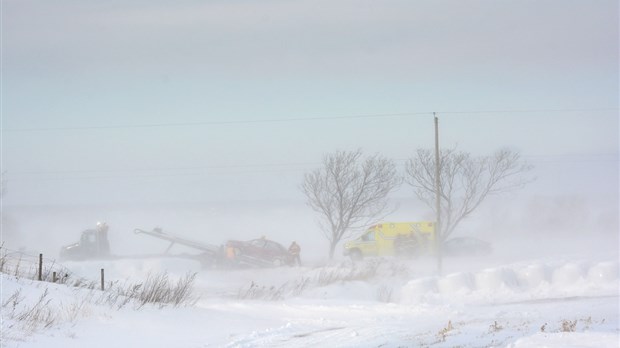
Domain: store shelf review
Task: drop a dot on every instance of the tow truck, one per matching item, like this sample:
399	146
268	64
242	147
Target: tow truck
93	244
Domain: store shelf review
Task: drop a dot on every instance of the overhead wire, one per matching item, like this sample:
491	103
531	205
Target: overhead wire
294	119
166	172
209	123
269	167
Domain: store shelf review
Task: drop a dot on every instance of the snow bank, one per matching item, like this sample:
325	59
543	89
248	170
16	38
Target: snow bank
568	340
516	283
510	305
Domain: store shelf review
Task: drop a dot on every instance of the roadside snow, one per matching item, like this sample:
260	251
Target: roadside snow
568	340
390	303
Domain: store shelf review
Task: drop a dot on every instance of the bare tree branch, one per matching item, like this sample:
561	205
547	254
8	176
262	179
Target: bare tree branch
465	181
348	192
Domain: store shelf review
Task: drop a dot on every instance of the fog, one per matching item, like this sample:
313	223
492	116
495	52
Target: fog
202	119
519	228
570	208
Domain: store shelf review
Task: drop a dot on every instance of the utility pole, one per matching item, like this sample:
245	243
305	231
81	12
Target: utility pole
437	198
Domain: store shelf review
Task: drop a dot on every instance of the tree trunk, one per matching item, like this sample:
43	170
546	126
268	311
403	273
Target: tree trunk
332	249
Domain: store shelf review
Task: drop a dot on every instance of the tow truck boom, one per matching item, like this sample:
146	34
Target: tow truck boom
212	250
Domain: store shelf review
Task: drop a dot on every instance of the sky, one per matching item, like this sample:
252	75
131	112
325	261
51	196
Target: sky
193	101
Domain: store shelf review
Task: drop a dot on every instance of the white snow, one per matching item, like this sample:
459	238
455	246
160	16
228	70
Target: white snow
478	302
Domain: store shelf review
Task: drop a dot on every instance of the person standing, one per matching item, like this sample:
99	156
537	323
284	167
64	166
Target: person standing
295	250
103	245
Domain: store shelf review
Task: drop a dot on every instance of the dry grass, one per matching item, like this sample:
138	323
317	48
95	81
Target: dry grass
568	326
23	317
28	318
385	293
159	289
495	327
367	271
443	333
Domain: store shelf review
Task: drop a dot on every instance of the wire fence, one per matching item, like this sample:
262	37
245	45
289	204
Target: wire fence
23	265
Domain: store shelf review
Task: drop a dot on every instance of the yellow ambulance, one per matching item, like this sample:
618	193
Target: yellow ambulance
393	239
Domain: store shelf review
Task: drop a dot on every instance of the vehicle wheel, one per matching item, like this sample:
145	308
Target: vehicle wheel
356	255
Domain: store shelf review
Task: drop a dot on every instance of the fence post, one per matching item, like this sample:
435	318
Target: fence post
54	277
40	267
102	281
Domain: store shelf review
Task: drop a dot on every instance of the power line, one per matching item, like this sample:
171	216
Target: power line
210	123
525	111
298	119
154	175
251	169
236	166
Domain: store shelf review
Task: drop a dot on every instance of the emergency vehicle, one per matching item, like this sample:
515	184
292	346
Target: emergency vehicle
393	239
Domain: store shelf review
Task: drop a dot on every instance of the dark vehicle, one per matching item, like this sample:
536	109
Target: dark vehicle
257	252
466	246
93	244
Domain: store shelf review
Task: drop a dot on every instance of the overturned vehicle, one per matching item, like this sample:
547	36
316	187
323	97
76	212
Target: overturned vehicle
257	252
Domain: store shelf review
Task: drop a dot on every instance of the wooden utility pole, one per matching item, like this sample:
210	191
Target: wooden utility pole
40	267
437	198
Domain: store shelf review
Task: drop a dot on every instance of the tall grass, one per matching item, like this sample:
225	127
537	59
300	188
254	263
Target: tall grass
371	270
22	316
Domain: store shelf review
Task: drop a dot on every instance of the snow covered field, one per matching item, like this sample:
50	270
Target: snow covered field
504	300
557	286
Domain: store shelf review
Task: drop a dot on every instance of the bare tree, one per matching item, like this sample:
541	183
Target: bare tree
349	192
465	181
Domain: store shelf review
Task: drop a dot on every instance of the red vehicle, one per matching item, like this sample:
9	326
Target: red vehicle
257	252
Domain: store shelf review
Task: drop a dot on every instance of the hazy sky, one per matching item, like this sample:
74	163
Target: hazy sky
148	101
